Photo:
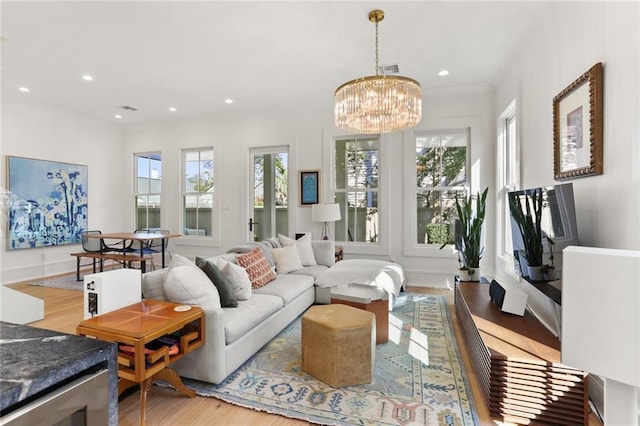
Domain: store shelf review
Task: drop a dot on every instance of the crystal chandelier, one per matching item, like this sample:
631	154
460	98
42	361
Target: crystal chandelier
378	103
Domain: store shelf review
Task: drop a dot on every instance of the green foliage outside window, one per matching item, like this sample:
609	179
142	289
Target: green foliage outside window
441	160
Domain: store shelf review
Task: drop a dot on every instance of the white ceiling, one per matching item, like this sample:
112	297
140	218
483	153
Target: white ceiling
264	55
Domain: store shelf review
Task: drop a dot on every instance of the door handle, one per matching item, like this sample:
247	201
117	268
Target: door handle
251	223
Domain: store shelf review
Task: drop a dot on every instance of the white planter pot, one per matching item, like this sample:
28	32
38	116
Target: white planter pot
536	273
464	275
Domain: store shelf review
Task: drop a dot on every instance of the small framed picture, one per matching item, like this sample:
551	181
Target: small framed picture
577	127
309	187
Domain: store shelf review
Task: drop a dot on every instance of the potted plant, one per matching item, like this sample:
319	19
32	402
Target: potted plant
550	270
528	217
469	245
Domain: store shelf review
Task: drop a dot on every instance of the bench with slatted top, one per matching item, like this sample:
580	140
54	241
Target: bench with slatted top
125	258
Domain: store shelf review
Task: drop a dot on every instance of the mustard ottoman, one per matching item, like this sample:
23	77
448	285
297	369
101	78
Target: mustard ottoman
338	344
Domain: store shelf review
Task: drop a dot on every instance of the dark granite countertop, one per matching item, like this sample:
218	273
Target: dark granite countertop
34	359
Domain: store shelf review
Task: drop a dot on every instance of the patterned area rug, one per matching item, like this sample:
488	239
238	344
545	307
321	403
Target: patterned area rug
419	376
67	282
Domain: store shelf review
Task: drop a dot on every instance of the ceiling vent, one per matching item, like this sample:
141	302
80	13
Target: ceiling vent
128	108
388	69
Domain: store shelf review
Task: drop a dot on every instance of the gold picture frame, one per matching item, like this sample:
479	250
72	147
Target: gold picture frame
577	127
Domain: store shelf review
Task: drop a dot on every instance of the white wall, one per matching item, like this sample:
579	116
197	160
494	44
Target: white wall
566	43
568	40
308	135
36	131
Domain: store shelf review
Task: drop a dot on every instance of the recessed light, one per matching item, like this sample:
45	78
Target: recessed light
24	89
443	73
228	101
172	109
118	116
87	77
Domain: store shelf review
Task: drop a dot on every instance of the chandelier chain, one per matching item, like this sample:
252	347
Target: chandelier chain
377	48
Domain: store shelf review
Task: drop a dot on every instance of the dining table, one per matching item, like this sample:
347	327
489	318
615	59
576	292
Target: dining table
145	238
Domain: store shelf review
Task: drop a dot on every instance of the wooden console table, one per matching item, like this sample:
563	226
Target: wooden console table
138	325
517	363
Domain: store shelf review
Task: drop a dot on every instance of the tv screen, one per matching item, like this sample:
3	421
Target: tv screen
558	225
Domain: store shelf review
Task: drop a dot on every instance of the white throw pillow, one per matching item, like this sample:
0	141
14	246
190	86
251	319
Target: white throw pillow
238	277
287	259
305	251
179	260
189	285
324	251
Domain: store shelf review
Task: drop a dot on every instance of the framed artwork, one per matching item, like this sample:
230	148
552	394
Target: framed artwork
309	187
47	203
577	127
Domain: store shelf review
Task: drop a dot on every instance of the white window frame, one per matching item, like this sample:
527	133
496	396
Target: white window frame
136	192
440	189
508	178
473	124
381	247
183	194
348	189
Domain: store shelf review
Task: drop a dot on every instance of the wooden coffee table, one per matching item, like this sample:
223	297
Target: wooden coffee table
138	325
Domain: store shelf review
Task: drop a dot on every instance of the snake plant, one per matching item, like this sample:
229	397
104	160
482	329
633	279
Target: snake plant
530	229
471	219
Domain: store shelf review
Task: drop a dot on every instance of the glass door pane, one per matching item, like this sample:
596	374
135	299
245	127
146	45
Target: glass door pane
269	212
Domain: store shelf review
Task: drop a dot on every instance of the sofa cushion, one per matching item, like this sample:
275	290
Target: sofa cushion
304	248
222	283
288	287
248	314
188	284
312	271
257	266
287	259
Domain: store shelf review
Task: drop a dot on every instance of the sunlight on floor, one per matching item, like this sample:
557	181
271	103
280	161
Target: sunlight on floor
395	329
418	341
419	346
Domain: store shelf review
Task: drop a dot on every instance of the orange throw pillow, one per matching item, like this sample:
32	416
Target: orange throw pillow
257	267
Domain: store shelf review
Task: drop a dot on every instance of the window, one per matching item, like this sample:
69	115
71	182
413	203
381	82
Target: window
508	175
440	176
356	184
148	188
198	189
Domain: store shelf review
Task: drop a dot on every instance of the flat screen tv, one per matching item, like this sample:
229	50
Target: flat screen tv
558	224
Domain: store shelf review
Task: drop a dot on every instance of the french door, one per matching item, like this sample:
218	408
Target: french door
268	213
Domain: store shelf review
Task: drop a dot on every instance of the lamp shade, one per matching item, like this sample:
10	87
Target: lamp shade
325	212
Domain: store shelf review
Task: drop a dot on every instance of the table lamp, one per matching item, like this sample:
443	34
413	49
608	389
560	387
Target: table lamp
325	213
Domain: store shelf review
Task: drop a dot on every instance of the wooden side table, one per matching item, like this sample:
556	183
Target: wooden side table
138	325
368	299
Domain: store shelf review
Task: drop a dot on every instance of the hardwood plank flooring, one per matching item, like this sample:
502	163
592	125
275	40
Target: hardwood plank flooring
63	311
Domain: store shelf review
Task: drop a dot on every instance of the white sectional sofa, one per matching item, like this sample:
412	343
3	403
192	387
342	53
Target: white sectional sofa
234	334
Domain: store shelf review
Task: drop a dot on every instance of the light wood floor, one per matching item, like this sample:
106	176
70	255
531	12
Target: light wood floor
63	311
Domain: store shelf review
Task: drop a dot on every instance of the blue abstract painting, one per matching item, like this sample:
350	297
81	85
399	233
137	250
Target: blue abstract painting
47	203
